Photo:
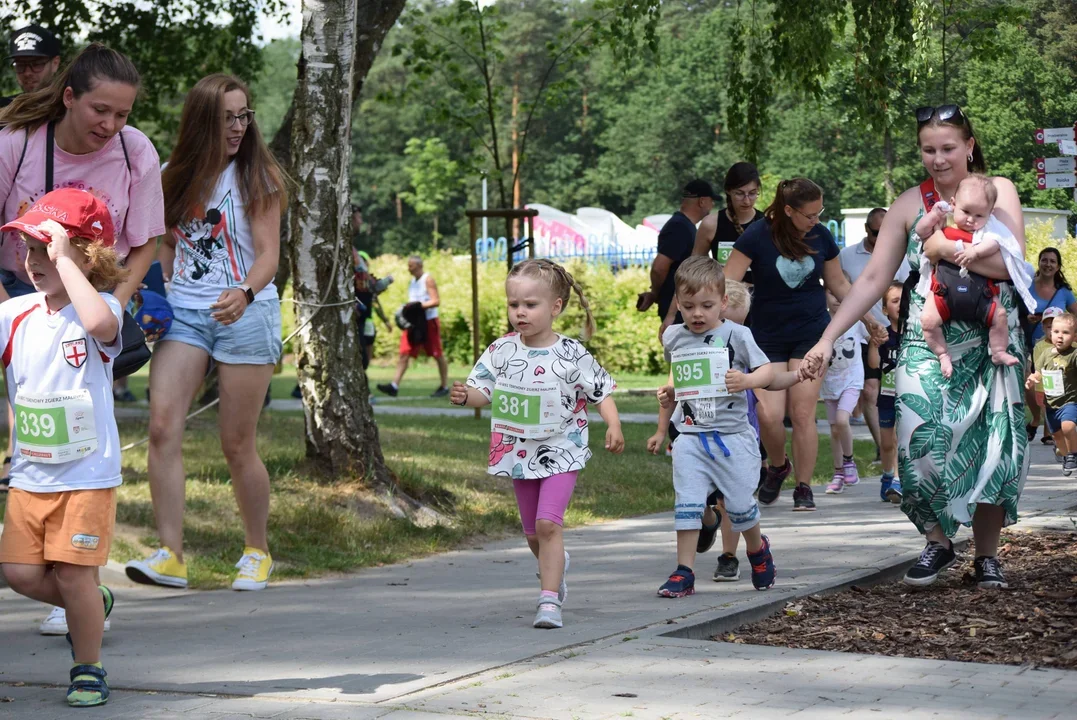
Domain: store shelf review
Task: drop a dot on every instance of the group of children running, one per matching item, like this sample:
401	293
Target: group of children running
538	384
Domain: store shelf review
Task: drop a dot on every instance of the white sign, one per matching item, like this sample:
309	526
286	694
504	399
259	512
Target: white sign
1056	165
1053	135
1053	384
1050	181
55	427
526	411
700	373
1067	147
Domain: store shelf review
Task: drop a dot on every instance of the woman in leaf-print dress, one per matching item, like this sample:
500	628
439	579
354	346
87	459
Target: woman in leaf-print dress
961	442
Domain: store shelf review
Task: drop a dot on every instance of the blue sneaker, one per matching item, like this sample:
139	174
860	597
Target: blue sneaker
680	584
763	570
890	489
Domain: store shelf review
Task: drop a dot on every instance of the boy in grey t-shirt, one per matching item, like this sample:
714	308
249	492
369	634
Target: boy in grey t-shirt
712	364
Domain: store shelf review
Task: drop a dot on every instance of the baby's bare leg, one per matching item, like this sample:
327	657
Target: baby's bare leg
998	339
931	324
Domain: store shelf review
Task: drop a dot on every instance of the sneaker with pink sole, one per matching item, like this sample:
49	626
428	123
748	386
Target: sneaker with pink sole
849	472
837	484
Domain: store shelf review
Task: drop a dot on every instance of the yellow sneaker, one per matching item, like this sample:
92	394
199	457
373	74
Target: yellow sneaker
255	567
161	568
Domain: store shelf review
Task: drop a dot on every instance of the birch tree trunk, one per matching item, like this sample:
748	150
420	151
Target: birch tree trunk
340	431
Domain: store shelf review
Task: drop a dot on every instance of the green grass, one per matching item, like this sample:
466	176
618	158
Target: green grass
319	528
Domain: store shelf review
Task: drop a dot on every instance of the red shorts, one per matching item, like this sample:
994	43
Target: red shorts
432	345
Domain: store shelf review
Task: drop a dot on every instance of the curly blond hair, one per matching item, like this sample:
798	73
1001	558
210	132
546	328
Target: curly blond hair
106	272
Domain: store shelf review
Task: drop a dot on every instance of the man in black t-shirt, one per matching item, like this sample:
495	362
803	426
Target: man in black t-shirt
35	55
675	243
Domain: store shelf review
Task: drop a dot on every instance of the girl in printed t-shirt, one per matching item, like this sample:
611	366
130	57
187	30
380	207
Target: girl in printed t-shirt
539	383
842	385
59	344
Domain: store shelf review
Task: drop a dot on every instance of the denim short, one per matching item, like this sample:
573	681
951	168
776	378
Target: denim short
14	286
1057	416
253	340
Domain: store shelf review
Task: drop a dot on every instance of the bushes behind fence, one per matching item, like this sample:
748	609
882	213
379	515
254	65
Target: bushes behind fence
626	341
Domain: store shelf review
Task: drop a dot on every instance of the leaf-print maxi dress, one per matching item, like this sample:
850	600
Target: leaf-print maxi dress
960	441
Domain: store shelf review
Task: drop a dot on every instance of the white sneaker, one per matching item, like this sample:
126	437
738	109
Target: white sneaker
548	614
56	623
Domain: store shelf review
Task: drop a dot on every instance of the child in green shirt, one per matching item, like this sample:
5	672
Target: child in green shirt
1056	370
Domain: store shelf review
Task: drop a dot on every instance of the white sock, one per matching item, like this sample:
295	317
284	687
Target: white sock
394	386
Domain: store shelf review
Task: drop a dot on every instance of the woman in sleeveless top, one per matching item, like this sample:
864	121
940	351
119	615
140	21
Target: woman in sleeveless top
962	442
224	193
719	231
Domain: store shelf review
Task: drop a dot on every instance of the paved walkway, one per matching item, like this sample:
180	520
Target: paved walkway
450	636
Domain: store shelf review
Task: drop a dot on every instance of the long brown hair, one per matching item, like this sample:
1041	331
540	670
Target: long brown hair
199	156
796	193
95	63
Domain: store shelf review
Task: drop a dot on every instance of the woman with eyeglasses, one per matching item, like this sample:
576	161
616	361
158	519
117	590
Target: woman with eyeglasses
794	260
961	442
719	231
224	193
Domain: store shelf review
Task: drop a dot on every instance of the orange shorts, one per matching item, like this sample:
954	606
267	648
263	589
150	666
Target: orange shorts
73	527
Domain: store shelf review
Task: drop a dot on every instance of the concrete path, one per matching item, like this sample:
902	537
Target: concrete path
450	636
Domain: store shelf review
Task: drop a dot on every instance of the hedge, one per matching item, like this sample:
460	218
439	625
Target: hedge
626	340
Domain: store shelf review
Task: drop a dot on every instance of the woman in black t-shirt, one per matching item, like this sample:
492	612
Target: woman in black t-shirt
790	253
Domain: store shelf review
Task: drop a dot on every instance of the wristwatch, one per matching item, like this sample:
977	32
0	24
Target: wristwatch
248	293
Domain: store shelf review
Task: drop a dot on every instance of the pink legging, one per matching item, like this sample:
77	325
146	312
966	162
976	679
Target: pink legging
544	499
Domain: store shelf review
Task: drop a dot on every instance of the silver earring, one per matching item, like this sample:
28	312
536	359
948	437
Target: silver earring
970	157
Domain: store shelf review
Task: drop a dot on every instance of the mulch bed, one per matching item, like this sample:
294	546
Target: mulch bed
1034	622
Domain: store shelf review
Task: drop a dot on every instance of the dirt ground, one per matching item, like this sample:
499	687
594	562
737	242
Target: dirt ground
1034	622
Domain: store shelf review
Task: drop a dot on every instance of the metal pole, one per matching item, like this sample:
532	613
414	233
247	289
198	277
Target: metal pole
475	301
485	231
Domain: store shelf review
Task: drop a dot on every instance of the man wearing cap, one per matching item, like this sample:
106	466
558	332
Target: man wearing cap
35	55
675	243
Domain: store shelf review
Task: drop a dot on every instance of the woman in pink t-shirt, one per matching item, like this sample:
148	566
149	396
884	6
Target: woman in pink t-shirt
75	130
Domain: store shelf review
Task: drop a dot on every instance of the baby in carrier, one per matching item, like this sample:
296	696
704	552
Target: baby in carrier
951	291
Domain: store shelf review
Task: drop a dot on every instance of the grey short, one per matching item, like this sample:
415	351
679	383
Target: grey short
253	340
703	461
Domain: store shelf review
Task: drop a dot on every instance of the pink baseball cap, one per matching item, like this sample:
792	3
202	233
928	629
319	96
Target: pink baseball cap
1052	312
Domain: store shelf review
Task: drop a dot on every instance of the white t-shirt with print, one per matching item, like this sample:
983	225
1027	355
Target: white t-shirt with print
846	371
47	352
580	379
214	249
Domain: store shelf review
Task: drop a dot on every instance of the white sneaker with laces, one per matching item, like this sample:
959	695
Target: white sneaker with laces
56	623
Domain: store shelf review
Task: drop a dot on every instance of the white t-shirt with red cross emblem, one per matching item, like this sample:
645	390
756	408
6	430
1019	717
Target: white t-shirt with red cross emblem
51	352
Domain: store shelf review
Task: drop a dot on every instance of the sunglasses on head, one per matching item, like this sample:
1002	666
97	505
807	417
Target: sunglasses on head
945	113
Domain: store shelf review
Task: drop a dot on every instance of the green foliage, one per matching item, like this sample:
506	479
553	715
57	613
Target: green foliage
625	134
1038	237
173	43
433	175
275	84
626	340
